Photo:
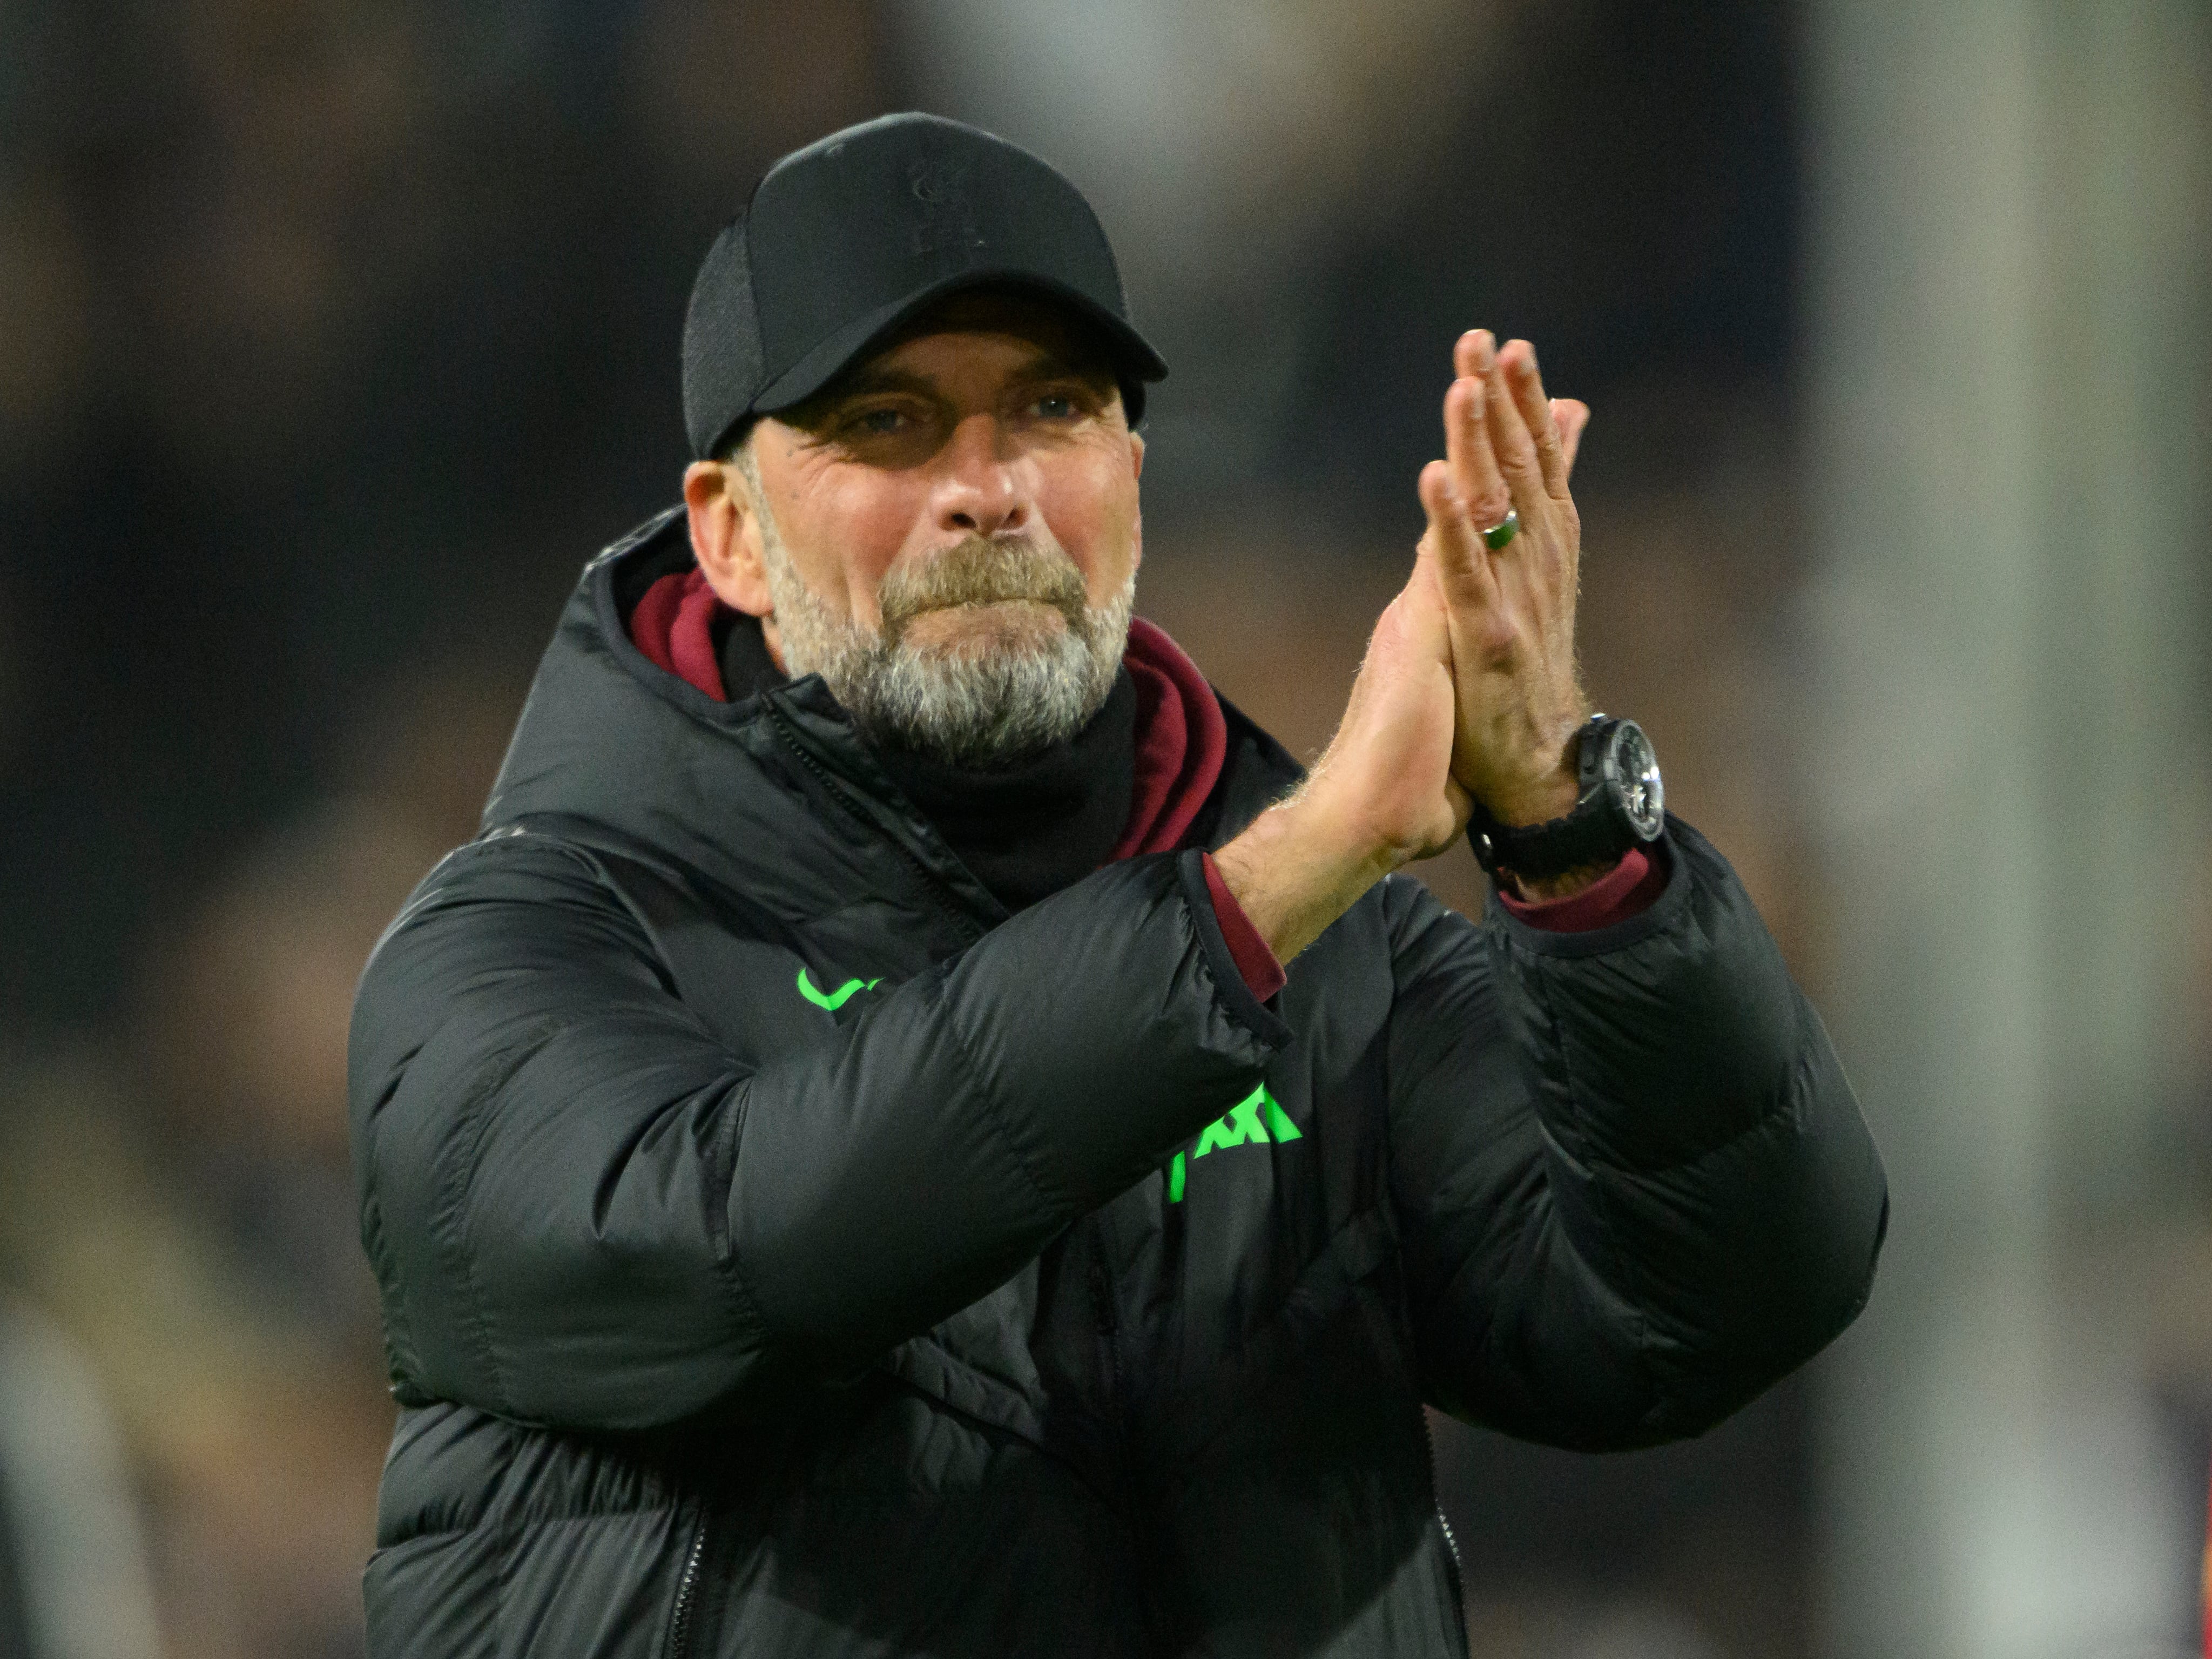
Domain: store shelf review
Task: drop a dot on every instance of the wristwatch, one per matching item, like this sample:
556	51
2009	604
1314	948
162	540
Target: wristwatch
1623	804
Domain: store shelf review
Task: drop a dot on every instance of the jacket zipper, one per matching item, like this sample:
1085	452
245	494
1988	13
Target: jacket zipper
931	884
687	1593
1127	1501
1451	1543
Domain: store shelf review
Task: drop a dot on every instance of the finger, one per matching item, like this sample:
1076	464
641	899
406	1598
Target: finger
1426	611
1434	625
1570	415
1472	354
1519	450
1464	572
1469	456
1526	383
1463	575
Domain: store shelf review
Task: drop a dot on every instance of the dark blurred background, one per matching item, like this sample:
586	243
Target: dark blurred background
335	336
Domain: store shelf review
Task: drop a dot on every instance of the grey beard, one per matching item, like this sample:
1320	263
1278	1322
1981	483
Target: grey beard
980	708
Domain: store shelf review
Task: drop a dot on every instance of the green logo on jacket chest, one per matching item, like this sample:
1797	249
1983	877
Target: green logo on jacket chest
833	1000
1254	1121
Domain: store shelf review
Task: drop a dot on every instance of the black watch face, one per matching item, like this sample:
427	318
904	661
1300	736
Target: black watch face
1635	771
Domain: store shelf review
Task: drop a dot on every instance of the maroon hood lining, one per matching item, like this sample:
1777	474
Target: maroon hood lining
1182	738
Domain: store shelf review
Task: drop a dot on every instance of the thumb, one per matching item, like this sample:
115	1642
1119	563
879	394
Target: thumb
1410	642
1427	620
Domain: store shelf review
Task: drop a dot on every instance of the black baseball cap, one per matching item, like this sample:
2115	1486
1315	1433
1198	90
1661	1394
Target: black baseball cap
845	240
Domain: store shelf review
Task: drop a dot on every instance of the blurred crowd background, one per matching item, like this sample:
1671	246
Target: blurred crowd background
336	334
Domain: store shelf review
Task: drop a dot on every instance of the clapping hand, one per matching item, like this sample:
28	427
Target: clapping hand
1509	608
1469	689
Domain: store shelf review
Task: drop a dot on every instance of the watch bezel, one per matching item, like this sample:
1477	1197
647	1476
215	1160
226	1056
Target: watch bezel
1621	780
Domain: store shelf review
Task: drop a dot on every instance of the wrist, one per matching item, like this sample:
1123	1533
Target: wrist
1300	866
1338	826
1544	786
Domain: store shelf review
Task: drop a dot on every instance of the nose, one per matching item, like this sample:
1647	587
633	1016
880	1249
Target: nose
985	486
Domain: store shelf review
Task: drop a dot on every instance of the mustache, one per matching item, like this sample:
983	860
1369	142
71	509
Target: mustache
982	571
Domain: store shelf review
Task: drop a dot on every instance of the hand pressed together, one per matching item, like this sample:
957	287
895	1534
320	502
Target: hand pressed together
1469	689
1510	613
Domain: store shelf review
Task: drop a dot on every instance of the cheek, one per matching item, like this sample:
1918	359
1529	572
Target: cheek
1093	512
846	538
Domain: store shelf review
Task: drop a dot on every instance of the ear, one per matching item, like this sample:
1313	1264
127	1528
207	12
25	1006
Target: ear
725	536
1136	506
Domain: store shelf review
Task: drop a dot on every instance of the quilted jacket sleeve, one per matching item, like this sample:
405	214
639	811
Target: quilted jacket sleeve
583	1211
1633	1186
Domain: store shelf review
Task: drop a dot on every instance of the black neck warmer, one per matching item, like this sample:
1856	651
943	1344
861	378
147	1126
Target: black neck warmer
1025	831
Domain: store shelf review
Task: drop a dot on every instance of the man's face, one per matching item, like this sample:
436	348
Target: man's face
949	534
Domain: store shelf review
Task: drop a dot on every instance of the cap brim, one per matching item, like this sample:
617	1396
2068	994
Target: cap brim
1133	352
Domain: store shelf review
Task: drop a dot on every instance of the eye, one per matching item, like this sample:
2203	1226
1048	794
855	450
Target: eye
879	423
1055	406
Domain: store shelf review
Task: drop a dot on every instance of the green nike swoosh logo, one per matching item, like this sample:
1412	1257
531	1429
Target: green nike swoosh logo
833	1000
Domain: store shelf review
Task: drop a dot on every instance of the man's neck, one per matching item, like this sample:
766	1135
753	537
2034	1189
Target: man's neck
1025	831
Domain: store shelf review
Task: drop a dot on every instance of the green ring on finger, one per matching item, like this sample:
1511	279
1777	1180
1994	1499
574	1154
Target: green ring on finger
1504	530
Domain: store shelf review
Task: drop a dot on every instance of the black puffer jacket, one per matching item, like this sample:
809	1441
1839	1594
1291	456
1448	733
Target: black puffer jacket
783	1251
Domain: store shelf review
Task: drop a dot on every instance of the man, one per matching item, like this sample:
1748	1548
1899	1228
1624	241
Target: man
913	1131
